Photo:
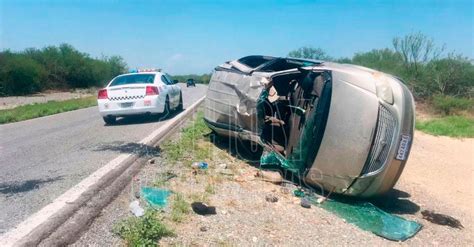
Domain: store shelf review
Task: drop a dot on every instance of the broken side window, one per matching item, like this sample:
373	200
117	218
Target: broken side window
286	116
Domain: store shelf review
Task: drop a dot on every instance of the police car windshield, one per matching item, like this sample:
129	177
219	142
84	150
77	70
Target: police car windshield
133	79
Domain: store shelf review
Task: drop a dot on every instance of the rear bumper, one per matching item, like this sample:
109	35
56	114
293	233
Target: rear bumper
148	105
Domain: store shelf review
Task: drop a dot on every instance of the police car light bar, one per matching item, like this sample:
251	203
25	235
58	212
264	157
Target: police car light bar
144	70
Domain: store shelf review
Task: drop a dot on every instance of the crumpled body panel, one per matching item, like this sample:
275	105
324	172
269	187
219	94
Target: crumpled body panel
232	99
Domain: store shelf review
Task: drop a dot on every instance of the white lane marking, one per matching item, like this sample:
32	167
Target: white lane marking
24	228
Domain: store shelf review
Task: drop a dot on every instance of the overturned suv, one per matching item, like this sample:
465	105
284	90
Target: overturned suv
340	127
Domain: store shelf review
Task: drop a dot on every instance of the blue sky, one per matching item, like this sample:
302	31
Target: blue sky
195	36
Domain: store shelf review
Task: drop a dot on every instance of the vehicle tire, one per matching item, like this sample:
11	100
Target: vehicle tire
166	109
180	105
110	120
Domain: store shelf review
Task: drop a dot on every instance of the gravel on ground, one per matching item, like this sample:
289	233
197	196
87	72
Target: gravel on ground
438	177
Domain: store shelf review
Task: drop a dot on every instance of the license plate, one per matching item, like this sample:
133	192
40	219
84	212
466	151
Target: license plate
126	105
403	148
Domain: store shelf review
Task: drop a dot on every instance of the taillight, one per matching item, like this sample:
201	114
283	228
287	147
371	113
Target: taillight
102	94
150	90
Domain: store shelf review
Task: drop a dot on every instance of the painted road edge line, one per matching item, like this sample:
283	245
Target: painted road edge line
15	235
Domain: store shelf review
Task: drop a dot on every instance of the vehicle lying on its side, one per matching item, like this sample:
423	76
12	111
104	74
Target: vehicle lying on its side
342	127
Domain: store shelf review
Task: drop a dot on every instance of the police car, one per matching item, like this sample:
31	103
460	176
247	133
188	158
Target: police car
147	91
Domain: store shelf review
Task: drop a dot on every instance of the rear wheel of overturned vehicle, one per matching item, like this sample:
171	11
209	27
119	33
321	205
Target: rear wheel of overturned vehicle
110	120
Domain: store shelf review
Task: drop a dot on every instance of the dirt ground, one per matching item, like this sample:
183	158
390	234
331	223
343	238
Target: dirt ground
438	177
14	101
444	168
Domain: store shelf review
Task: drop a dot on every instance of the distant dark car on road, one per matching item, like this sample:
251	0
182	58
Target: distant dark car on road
190	83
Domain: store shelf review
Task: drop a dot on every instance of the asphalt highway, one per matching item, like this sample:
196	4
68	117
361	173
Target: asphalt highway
42	158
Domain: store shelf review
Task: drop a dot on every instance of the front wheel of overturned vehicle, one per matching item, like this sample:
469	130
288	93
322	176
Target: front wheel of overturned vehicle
110	120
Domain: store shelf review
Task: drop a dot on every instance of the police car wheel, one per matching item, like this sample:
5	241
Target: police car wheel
109	120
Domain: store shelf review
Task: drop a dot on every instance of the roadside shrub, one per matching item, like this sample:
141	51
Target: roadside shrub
54	67
449	104
142	231
20	75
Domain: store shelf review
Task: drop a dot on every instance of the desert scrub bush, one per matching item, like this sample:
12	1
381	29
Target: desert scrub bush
142	231
449	104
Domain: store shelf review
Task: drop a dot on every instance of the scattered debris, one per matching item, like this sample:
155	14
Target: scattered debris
370	218
324	198
305	203
137	194
298	193
227	172
136	209
270	176
151	161
203	228
320	200
223	166
441	219
202	209
199	165
168	175
271	198
156	197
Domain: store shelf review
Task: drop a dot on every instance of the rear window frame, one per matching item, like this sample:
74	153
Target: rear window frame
153	77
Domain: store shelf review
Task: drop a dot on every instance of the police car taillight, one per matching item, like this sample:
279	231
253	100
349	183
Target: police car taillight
102	94
151	90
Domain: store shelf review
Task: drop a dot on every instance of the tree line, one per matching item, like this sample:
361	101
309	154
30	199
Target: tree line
54	67
426	68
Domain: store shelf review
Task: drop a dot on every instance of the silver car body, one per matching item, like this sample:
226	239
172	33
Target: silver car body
367	127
